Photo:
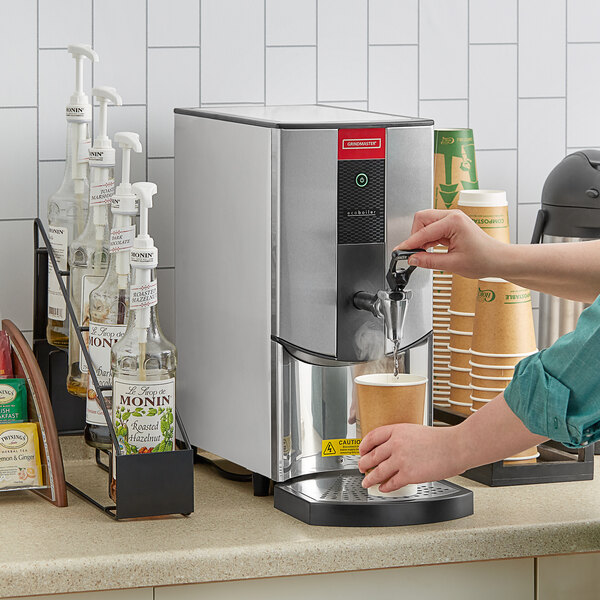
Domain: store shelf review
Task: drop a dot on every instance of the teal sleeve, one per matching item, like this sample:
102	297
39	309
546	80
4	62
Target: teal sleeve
556	392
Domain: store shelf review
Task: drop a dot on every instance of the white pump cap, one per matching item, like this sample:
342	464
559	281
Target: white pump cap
124	200
79	109
144	254
102	154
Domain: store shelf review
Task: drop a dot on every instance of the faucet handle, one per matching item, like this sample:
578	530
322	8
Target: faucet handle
396	278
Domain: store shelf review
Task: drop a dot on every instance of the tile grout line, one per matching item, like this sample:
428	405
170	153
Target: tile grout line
516	236
566	75
317	51
419	56
368	55
38	109
199	57
469	64
265	52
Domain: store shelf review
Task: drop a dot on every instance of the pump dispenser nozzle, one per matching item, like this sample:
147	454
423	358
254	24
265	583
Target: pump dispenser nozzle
104	95
144	258
124	201
79	52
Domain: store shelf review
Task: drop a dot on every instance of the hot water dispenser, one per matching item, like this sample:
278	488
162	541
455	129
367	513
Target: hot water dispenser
286	218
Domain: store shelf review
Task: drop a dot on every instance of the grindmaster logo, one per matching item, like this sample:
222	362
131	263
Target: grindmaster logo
361	144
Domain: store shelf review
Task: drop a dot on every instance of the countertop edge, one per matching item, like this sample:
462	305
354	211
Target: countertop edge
153	569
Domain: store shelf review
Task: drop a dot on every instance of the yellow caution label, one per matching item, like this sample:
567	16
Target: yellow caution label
340	447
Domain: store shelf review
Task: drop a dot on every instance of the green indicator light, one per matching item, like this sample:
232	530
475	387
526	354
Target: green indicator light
361	180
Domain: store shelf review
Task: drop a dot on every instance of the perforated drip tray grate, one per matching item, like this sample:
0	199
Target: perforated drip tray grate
339	499
348	488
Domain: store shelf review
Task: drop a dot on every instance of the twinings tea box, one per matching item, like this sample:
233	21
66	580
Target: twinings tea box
13	401
144	413
20	464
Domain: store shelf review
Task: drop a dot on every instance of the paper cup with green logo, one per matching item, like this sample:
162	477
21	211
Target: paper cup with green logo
454	166
503	319
464	295
489	209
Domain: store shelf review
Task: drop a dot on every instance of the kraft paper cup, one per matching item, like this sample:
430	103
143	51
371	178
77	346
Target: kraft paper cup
462	321
441	316
528	456
460	359
454	166
479	402
464	408
503	318
499	360
385	400
491	382
489	209
491	370
460	395
460	339
485	393
464	294
460	377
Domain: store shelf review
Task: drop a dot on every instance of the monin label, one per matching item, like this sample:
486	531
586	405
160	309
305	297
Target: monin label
144	415
102	339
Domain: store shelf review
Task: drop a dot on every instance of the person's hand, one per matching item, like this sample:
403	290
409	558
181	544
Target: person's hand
406	453
471	252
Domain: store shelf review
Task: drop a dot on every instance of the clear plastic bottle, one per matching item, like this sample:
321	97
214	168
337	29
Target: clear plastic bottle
89	253
143	361
68	206
109	302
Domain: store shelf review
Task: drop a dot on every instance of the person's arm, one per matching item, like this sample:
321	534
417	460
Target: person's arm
404	453
554	394
566	270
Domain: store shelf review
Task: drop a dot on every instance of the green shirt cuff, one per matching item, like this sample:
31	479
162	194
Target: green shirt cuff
541	401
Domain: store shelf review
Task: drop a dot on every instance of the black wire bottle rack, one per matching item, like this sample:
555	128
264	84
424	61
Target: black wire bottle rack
148	485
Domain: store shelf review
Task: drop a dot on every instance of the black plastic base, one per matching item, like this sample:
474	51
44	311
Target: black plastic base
556	462
360	510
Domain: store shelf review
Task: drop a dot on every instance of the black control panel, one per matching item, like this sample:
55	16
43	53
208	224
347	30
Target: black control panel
361	201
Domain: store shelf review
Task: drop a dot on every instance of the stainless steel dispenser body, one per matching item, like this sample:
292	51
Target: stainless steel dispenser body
275	231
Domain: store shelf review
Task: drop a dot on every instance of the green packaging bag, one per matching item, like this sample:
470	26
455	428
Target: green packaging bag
13	401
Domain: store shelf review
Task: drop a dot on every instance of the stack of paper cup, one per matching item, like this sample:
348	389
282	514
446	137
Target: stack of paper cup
489	209
503	334
462	315
442	288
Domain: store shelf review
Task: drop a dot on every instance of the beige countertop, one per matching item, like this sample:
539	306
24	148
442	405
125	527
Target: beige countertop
234	535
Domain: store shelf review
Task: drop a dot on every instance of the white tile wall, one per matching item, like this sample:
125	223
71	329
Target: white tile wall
393	79
18	39
444	49
521	73
542	48
493	22
541	144
583	17
233	48
394	22
291	75
291	22
493	95
342	50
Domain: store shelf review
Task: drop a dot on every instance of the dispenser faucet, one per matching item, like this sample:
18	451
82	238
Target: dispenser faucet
390	305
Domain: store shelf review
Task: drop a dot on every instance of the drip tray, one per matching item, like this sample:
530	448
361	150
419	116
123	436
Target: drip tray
338	499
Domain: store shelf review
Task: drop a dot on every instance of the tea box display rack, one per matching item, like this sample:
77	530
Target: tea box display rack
148	485
555	463
39	411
